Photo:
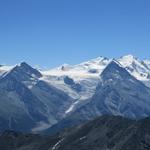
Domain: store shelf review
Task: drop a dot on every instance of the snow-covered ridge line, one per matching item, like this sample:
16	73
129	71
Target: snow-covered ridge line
93	68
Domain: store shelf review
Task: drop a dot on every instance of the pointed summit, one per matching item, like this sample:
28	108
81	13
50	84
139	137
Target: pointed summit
24	64
23	67
23	71
114	70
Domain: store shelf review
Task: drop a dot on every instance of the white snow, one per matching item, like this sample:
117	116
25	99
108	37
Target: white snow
126	60
80	71
147	62
41	126
82	138
80	74
57	144
4	69
136	67
71	108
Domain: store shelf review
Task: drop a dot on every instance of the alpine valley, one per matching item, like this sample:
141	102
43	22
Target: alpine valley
45	101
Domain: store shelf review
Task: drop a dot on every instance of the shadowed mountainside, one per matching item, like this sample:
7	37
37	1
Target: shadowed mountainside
106	132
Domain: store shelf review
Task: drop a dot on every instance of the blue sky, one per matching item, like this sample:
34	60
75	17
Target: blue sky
52	32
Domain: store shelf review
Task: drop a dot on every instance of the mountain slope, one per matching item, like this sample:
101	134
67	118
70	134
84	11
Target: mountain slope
138	68
118	93
72	94
106	132
115	133
27	103
87	75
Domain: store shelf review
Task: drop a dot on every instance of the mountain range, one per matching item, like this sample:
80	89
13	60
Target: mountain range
33	100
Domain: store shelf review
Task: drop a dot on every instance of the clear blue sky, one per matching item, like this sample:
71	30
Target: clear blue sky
52	32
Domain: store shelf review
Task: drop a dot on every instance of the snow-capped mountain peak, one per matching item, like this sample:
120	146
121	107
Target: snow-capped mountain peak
127	60
88	73
97	60
135	66
5	68
114	70
87	69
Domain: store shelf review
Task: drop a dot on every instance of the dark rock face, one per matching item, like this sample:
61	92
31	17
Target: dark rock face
10	140
106	132
113	133
56	100
119	93
72	84
68	80
93	71
23	72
